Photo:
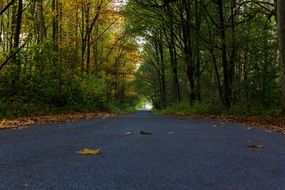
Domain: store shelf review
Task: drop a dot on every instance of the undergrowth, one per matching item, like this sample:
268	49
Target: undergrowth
214	108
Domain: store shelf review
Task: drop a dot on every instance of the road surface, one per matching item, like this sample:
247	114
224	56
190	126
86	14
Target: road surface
180	154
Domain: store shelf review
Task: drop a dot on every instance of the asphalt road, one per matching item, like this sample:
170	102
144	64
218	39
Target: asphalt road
196	156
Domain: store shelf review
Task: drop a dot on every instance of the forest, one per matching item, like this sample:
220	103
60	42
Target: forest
182	56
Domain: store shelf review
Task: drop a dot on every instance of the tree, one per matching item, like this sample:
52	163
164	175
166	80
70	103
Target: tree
281	33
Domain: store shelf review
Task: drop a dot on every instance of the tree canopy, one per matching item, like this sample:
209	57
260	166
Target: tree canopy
209	56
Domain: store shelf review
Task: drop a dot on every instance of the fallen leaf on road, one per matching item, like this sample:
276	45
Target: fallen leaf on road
87	151
221	126
128	133
28	183
145	133
256	146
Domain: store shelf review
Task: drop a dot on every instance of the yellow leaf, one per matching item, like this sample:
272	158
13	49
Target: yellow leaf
87	151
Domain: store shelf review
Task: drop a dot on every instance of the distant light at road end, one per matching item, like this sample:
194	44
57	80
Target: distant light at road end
148	106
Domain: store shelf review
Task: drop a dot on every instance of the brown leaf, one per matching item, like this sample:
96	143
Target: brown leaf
256	146
29	122
87	151
145	133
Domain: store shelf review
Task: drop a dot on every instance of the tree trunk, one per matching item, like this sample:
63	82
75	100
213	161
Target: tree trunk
87	37
83	46
225	64
187	48
17	34
162	66
281	32
55	24
172	52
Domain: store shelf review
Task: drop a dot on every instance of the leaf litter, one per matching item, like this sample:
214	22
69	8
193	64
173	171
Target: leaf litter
273	123
23	122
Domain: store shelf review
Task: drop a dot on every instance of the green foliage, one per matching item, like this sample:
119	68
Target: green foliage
63	64
232	70
93	95
70	65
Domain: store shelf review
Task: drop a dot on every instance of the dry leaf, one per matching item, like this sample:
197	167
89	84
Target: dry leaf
87	151
249	128
145	133
256	146
28	183
29	122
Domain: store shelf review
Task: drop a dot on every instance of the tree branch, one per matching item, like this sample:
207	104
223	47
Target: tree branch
7	6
